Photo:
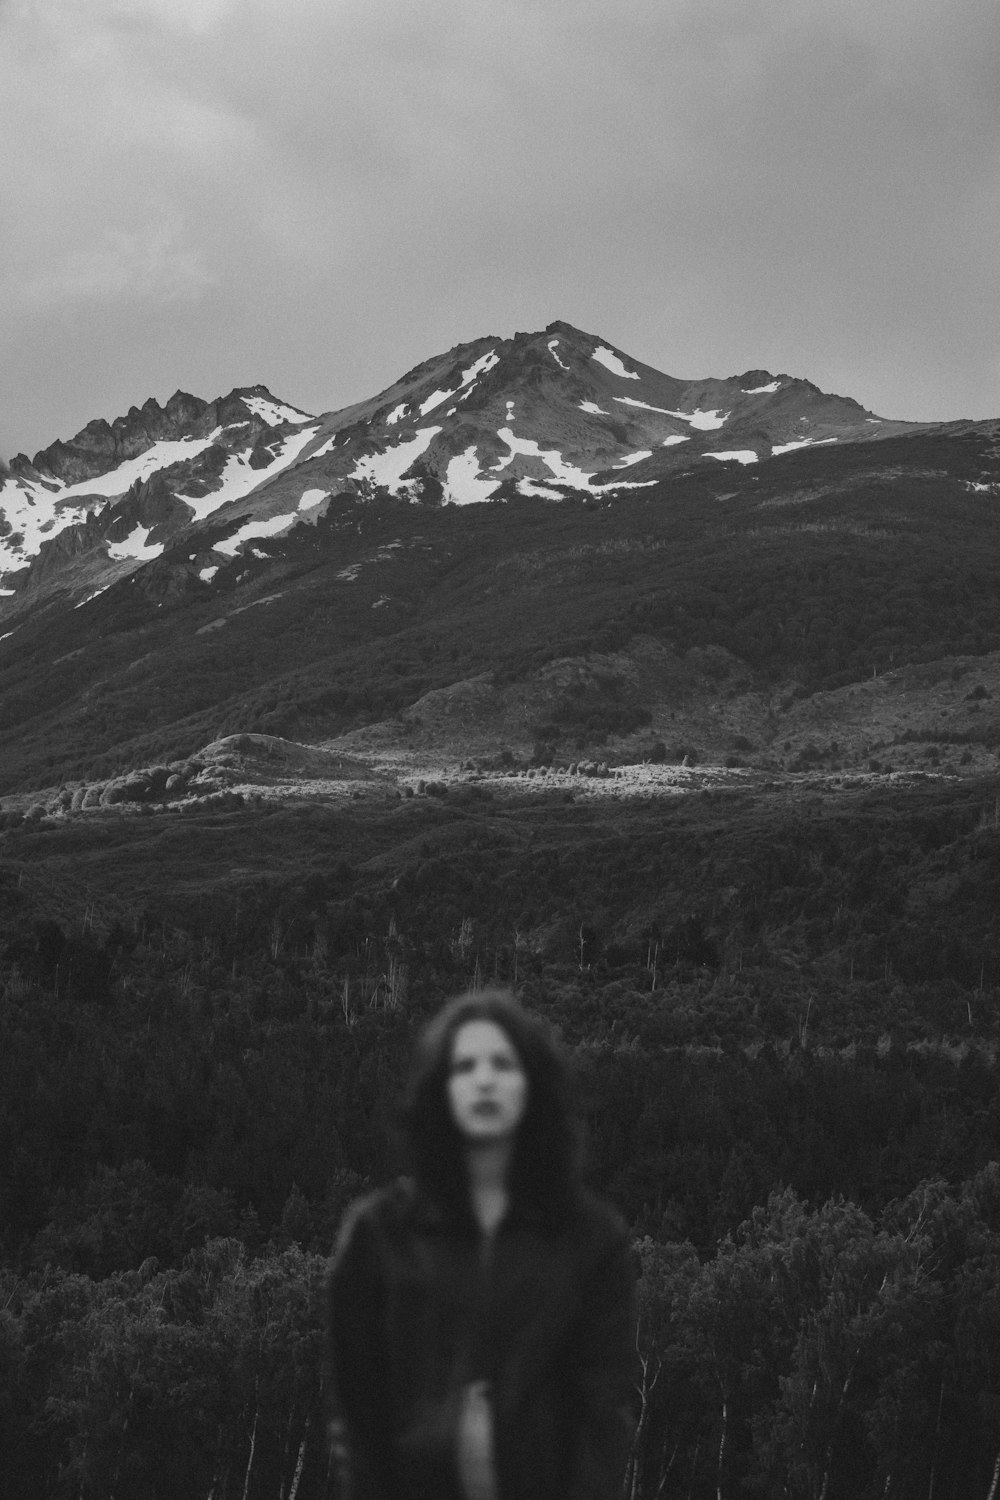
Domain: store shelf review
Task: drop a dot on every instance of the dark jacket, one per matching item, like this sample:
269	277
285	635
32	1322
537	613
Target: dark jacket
417	1311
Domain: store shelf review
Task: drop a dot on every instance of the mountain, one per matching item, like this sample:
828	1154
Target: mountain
535	415
699	753
716	569
114	486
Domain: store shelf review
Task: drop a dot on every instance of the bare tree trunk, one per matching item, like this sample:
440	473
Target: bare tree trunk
995	1480
299	1463
722	1451
665	1468
253	1445
640	1428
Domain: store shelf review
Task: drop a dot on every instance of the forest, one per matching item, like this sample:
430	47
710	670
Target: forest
782	1015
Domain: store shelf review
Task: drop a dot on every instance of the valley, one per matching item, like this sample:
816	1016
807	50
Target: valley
673	704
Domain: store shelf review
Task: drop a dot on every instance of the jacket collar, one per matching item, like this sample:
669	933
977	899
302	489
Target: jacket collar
432	1212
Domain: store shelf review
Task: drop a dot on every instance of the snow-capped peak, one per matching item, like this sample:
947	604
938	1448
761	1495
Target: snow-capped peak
444	432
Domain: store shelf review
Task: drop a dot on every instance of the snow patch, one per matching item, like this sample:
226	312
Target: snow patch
462	482
610	360
396	413
675	437
764	390
633	458
801	443
478	367
559	469
434	399
553	346
92	596
274	413
706	421
595	410
481	366
631	401
136	546
238	479
387	468
272	526
741	455
309	499
529	487
116	481
11	632
207	574
327	447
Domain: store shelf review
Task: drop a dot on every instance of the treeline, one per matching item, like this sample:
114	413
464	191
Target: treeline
179	1148
205	1022
142	1123
825	1352
819	1352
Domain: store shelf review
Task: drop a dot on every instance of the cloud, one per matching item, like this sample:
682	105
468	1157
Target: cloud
334	190
153	261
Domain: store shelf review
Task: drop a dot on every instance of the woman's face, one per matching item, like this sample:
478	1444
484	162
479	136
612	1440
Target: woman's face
487	1085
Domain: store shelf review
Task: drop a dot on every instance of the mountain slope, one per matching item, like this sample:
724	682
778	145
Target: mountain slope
299	576
535	415
797	577
122	488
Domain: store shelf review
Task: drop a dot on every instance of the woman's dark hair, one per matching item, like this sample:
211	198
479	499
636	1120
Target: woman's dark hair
545	1167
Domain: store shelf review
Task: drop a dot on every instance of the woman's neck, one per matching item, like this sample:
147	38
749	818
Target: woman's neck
488	1166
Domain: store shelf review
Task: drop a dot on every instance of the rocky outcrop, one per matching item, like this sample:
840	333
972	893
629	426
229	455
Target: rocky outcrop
102	445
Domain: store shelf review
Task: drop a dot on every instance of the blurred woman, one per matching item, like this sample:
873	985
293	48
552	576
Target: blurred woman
482	1337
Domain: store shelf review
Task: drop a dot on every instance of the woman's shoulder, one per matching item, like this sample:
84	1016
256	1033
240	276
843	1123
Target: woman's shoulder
597	1222
379	1210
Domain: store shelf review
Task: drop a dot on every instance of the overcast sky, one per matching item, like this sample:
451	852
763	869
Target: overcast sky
319	194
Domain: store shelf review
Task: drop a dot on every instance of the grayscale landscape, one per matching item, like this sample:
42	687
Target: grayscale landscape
438	657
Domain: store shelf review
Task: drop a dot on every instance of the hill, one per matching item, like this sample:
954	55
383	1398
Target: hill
761	612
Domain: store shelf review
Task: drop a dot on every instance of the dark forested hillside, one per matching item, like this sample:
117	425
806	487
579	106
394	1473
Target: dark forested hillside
782	1012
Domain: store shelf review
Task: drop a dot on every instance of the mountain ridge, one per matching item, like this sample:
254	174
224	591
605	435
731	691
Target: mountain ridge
315	577
487	419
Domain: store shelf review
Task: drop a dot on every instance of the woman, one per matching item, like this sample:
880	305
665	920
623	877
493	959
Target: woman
482	1331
